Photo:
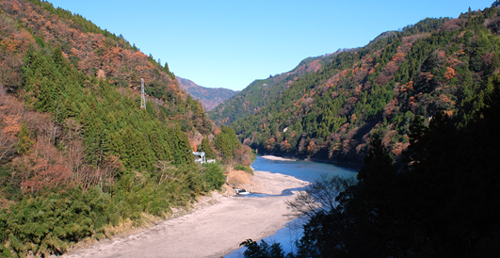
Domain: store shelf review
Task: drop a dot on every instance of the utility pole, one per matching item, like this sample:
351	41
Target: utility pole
143	97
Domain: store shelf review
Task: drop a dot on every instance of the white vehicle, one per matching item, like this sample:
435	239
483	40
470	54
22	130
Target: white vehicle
242	191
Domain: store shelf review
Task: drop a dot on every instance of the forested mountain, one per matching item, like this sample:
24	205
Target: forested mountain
260	93
432	89
442	201
330	114
79	158
209	97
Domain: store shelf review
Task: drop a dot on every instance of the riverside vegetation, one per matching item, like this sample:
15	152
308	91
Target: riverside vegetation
78	158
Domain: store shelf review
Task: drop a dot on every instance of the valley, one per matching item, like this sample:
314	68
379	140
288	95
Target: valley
92	164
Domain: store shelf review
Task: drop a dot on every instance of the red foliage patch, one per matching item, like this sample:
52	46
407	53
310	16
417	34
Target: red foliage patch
390	69
314	66
389	108
454	24
487	58
348	106
409	40
425	76
450	73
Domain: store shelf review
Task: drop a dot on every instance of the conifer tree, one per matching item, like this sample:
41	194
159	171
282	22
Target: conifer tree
24	139
207	148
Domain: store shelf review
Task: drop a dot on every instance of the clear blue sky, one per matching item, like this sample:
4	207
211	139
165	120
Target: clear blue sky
230	43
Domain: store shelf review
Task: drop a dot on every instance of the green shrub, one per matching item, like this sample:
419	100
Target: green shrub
213	176
244	168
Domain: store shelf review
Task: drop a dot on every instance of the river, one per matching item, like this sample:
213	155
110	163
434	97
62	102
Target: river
304	170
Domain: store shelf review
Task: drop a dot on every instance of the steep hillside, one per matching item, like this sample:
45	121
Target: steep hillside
209	97
94	52
79	158
436	64
439	203
261	93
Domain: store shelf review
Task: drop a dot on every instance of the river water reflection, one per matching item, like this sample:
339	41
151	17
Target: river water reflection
303	170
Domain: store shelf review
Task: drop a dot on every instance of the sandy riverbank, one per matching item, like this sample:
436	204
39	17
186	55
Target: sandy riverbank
208	231
271	157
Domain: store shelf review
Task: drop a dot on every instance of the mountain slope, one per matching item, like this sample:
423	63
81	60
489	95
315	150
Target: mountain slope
209	97
262	92
79	158
93	51
437	64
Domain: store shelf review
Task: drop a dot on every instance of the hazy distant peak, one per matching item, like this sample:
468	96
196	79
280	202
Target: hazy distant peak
209	97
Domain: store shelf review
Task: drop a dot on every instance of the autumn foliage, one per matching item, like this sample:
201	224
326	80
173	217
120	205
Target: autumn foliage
330	113
78	156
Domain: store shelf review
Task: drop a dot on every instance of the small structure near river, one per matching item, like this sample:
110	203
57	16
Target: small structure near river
199	157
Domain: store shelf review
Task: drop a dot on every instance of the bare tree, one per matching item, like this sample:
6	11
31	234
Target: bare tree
167	171
8	146
8	143
319	196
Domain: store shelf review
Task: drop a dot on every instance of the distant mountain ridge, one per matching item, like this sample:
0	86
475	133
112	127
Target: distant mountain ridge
331	112
209	97
261	93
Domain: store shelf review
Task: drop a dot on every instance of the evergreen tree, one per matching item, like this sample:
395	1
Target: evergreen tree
207	148
25	141
226	142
